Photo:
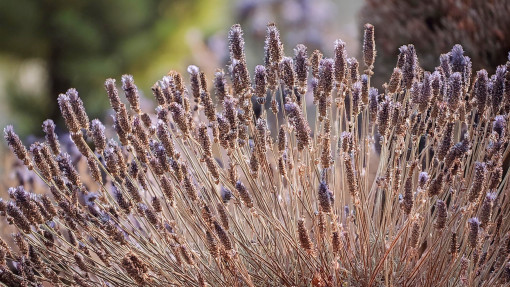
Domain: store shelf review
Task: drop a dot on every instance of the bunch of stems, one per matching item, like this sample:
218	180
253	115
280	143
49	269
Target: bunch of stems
245	184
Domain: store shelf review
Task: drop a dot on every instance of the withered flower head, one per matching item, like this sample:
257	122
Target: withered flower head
273	45
17	147
473	228
324	197
195	81
236	42
499	126
113	94
326	70
244	194
480	90
340	61
287	73
441	214
220	85
131	91
97	132
353	69
454	91
51	137
304	237
315	61
456	59
68	114
369	45
78	108
479	177
260	83
401	57
356	98
301	66
410	66
486	208
18	218
157	91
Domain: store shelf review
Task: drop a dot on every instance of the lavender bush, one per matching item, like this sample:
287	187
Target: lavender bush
403	185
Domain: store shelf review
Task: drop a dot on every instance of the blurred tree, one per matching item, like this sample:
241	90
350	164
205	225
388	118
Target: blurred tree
83	42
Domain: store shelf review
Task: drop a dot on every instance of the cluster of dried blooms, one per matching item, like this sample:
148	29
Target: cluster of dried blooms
435	26
406	185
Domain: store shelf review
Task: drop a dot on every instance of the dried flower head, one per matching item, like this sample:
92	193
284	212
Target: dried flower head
441	214
315	60
479	176
17	147
369	45
301	66
78	108
51	137
260	83
287	73
340	61
473	228
131	92
304	237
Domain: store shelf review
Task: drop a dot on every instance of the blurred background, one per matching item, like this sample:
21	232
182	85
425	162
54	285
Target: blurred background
49	46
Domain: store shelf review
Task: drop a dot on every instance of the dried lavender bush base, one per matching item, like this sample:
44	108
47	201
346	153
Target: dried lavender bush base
199	193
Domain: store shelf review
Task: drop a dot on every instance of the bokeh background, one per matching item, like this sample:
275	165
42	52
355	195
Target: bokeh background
48	46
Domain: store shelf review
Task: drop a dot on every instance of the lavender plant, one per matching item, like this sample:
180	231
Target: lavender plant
400	186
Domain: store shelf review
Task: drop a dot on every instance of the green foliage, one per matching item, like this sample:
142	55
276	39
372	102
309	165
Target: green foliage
84	42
